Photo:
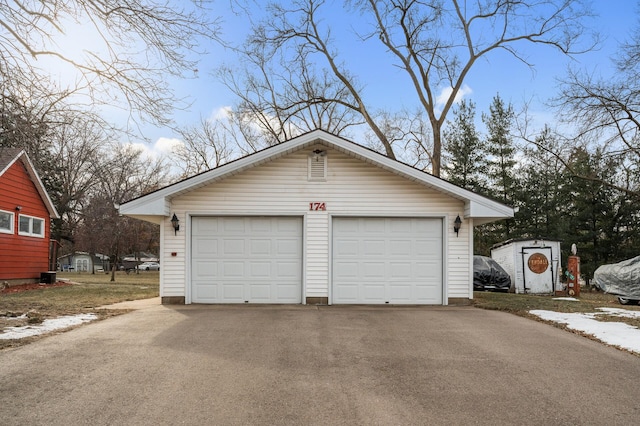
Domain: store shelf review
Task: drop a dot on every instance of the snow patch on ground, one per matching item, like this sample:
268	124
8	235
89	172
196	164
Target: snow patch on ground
46	326
612	333
569	299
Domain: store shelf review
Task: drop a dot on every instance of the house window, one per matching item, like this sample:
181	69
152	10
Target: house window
31	226
6	222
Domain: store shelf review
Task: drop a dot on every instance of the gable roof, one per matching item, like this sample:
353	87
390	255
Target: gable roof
156	205
9	156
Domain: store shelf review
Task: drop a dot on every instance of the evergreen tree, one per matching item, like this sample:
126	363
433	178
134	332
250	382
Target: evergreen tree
500	149
500	158
464	151
594	214
537	194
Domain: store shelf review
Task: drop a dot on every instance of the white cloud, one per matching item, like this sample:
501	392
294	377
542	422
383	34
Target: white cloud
144	148
221	114
445	93
162	147
166	145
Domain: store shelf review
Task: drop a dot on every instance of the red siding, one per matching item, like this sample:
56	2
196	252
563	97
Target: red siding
22	257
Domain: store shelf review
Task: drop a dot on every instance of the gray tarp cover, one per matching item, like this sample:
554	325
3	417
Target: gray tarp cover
620	278
488	274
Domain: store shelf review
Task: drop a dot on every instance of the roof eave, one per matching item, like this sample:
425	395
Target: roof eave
35	178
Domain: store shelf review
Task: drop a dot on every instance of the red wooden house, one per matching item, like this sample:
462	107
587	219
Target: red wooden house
25	219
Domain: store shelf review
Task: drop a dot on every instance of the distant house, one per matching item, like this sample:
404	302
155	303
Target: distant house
81	261
130	261
25	219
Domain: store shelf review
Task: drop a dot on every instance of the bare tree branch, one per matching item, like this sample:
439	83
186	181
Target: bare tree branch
128	48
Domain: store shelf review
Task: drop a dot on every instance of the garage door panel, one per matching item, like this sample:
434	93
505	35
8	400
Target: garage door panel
206	246
259	269
425	296
260	247
373	247
253	262
232	269
387	260
347	248
288	293
401	226
347	293
233	224
372	226
424	247
426	229
260	292
288	246
285	226
260	225
232	292
372	270
205	228
425	270
346	269
373	293
289	270
205	269
400	247
232	246
399	271
402	293
206	292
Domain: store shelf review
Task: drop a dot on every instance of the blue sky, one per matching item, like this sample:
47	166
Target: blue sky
389	87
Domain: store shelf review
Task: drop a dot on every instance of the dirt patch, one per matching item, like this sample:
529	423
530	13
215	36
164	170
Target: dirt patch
33	286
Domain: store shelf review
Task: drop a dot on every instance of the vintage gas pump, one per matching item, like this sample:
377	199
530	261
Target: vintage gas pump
573	273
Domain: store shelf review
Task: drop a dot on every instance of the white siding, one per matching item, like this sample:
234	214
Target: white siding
317	254
281	187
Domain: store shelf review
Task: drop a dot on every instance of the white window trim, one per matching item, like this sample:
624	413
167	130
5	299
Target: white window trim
11	223
30	233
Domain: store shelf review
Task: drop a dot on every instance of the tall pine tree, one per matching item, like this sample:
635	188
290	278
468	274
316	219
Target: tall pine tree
464	152
538	192
501	152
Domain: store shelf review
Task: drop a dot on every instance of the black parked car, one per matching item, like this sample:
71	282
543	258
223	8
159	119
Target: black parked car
488	275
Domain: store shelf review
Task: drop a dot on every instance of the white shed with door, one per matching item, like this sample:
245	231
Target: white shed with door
534	265
317	219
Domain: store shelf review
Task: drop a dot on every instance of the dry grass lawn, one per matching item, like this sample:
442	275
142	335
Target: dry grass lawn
521	304
87	293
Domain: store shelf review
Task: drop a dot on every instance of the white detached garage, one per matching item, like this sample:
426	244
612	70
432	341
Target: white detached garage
317	219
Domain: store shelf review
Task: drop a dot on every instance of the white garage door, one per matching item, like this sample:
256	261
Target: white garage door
387	260
246	259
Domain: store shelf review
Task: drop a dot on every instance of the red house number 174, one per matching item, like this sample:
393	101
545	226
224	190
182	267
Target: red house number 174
314	207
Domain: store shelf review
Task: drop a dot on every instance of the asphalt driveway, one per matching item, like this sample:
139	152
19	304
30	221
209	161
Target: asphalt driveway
298	365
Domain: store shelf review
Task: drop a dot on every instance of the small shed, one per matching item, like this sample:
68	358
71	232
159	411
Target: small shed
533	264
81	261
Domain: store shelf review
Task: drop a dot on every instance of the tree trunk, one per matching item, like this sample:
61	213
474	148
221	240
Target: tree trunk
437	148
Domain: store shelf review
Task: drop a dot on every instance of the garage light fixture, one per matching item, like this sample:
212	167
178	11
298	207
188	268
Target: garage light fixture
175	223
456	225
